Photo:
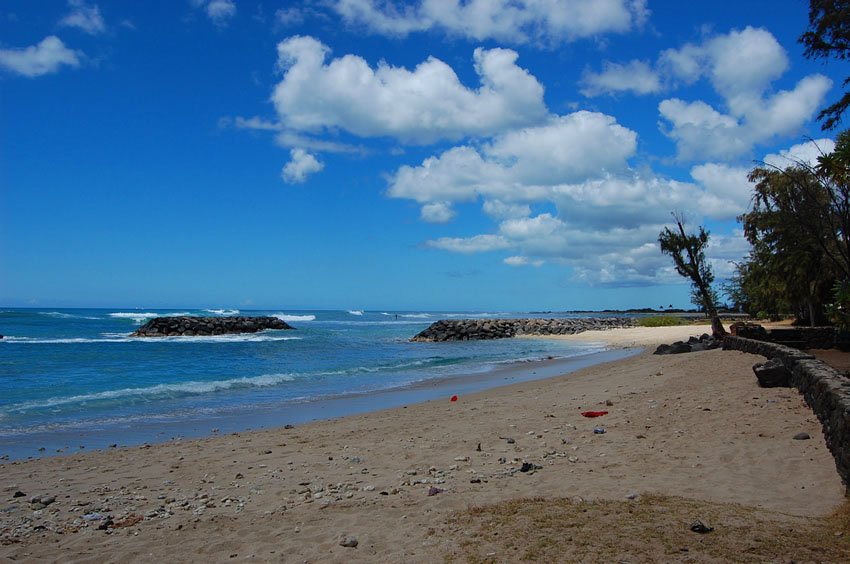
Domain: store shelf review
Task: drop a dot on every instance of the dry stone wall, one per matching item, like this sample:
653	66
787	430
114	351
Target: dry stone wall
479	329
825	390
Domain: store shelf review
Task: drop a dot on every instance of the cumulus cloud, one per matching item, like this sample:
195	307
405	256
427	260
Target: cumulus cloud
741	66
635	76
301	165
516	21
806	153
85	17
520	164
46	57
468	245
602	223
702	132
438	212
423	105
219	11
522	261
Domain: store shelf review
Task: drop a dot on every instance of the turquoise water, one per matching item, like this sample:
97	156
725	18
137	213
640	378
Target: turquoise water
68	373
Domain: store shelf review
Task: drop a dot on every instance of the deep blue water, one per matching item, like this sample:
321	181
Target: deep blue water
69	370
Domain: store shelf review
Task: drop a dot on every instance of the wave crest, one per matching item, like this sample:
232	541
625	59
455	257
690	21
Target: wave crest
286	317
159	390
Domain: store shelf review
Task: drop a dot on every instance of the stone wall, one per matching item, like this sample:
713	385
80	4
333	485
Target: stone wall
190	326
797	337
479	329
825	390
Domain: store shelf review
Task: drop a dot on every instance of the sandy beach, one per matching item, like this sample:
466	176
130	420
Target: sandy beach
685	437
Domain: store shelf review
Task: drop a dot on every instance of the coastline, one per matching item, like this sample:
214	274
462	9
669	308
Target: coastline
62	442
693	425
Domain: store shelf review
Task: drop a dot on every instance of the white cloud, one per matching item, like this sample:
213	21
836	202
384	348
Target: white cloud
635	76
604	226
575	146
741	66
726	191
512	21
806	153
498	209
522	261
476	244
522	164
219	11
84	17
424	105
44	58
301	165
438	212
701	132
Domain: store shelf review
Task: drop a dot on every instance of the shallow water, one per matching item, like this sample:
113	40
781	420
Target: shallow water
73	375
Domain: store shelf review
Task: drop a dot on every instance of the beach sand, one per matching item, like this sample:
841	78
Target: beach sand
693	426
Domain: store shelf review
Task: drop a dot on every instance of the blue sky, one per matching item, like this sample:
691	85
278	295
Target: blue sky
441	154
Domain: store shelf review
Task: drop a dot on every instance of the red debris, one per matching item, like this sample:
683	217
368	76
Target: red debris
454	398
594	413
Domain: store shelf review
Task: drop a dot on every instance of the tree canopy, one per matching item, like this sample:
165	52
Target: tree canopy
828	36
688	254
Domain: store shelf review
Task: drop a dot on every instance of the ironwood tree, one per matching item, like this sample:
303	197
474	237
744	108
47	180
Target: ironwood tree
828	36
688	253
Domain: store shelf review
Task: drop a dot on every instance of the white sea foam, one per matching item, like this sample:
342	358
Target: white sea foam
160	390
61	315
473	315
408	315
125	338
355	311
223	311
286	317
136	317
142	316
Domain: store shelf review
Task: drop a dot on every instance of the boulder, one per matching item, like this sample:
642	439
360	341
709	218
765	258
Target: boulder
772	374
189	326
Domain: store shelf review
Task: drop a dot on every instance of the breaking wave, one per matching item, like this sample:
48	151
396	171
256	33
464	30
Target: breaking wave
285	317
155	392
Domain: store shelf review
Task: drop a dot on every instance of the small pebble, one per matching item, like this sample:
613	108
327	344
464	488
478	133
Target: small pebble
348	541
801	437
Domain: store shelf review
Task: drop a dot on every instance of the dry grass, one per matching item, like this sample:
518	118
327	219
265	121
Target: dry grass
649	529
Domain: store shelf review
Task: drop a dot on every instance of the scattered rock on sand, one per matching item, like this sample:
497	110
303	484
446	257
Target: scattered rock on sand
802	437
348	541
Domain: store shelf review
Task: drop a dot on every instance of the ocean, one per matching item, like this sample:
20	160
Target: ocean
74	378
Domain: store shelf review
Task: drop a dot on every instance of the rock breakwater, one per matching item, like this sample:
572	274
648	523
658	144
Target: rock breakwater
204	326
479	329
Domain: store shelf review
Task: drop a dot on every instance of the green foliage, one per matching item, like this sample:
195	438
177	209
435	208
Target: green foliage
839	309
688	254
828	36
661	321
789	267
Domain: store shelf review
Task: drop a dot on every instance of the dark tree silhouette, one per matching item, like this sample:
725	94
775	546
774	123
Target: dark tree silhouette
828	36
688	254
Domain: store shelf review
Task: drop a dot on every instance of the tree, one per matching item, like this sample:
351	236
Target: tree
688	254
791	266
829	36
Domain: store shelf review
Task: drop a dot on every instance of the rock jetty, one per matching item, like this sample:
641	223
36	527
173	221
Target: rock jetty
479	329
191	326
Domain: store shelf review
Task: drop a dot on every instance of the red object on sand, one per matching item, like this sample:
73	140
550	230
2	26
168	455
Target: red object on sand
594	413
454	398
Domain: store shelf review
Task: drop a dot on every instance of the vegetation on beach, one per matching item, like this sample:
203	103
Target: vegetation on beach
799	229
688	253
661	321
799	222
651	528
